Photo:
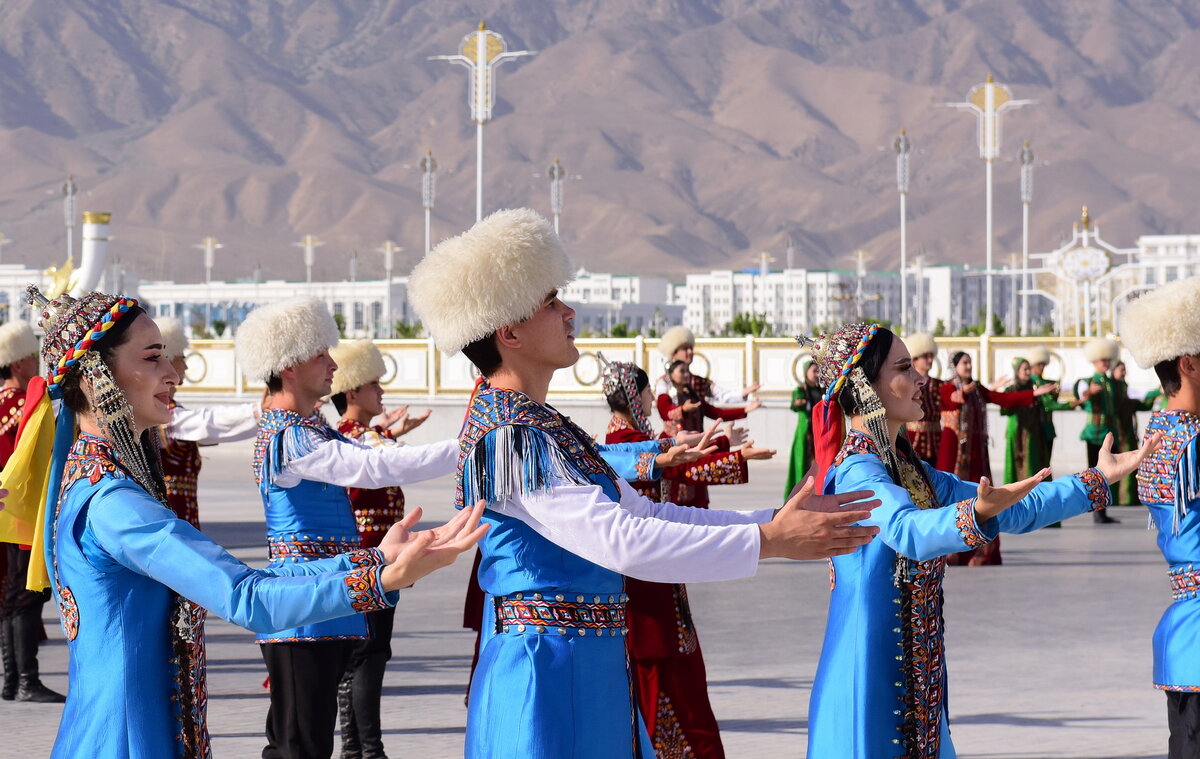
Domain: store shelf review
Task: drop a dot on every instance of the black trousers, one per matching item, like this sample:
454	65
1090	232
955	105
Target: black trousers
1183	719
304	683
361	691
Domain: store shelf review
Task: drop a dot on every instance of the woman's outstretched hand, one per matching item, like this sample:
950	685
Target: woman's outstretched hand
990	501
817	526
1115	466
411	555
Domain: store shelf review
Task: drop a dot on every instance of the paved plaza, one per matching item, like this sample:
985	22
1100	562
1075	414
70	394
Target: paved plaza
1049	654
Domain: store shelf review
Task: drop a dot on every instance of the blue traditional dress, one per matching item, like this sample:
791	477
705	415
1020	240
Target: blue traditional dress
880	689
133	582
1169	485
553	678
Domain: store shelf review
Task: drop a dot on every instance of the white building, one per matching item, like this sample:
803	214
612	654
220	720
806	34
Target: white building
594	287
602	301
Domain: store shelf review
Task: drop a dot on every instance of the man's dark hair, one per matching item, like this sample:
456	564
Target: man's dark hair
72	393
1168	375
274	384
340	403
6	372
484	354
871	363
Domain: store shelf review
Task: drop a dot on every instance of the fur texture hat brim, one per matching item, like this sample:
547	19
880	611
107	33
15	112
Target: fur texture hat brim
674	338
17	341
285	333
1102	348
359	362
1037	355
497	273
1164	323
175	340
921	344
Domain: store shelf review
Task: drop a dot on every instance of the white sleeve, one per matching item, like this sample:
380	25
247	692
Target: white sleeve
214	424
641	506
725	398
355	465
584	521
662	386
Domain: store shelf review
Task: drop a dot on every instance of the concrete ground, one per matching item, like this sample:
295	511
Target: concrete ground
1049	654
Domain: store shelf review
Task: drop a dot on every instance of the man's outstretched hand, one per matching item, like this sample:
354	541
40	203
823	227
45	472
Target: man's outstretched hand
818	526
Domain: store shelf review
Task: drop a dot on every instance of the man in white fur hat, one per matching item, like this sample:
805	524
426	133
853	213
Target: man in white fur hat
20	609
1099	401
358	398
1039	357
303	468
1162	330
191	428
552	679
679	344
926	434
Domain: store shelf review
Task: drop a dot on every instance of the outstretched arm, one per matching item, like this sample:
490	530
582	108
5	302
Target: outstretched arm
354	465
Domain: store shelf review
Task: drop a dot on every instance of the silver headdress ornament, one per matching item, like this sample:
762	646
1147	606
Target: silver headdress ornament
620	382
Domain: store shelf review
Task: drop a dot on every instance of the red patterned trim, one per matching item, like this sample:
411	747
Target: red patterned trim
307	550
1185	583
365	587
69	611
1180	688
560	613
1097	489
645	465
968	528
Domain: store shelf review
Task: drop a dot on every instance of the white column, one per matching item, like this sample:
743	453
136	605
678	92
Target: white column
478	171
987	314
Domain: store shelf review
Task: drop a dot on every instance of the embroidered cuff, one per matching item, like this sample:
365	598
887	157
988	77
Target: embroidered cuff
645	465
1096	486
665	444
968	529
367	557
365	588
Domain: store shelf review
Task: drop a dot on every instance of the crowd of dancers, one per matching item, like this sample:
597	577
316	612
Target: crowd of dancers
586	646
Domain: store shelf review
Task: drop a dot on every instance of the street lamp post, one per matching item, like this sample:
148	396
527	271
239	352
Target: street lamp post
987	101
310	243
1026	199
70	190
209	245
389	250
428	184
903	146
481	52
556	172
4	240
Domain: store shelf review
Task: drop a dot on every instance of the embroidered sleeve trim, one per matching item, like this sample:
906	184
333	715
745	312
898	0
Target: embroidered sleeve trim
366	557
1096	487
365	588
645	465
666	444
968	528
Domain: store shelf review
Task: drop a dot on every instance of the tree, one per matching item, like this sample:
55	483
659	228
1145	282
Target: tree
406	330
340	321
620	329
939	329
218	327
747	324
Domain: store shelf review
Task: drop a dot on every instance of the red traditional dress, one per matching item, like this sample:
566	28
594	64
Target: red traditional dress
668	667
181	471
375	510
690	487
926	434
189	429
963	448
12	402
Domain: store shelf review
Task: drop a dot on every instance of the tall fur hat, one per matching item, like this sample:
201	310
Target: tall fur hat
175	340
1038	354
285	333
675	337
1101	348
496	273
1164	323
17	341
359	362
921	344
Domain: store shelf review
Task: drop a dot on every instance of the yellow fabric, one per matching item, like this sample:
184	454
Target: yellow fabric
27	477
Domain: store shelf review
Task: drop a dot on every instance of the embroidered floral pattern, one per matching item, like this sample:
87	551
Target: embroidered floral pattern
181	468
926	434
645	465
375	510
365	587
191	683
670	742
968	528
685	628
728	469
1156	475
69	611
1098	492
12	401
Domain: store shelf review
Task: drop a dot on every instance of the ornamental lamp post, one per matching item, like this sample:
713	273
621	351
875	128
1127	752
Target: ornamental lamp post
209	245
556	172
70	190
1026	199
987	101
428	182
481	52
389	250
310	243
903	146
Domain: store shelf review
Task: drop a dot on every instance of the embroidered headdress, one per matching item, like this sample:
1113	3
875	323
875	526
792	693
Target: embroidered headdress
175	339
620	384
17	341
1164	323
358	363
285	333
497	273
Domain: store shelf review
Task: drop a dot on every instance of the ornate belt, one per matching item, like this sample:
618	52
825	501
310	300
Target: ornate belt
306	547
535	612
1185	583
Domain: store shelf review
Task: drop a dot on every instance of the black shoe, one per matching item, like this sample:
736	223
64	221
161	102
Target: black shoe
10	689
32	690
1106	519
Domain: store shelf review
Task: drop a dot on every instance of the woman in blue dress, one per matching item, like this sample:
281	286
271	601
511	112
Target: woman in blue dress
132	581
880	688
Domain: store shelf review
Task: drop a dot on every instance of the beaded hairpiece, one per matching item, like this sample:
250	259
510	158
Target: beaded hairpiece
620	383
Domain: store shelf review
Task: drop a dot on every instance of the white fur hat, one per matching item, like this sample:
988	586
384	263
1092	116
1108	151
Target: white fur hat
17	341
1100	348
921	344
1038	354
175	340
496	273
359	362
1164	323
285	333
674	338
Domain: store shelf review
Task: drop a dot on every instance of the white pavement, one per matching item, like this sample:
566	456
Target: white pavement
1049	654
